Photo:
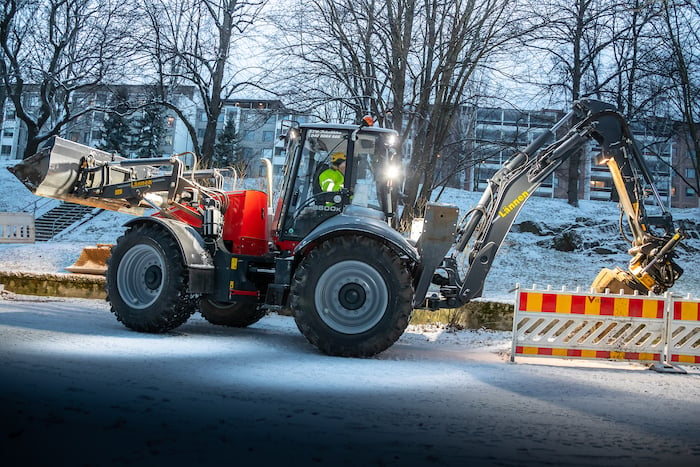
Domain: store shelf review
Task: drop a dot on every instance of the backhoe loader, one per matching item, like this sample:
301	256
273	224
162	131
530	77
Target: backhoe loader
350	280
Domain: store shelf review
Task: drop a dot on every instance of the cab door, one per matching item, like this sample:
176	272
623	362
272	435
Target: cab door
304	205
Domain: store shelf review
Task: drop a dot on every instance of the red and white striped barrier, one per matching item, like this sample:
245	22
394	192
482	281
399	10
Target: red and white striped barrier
684	332
655	329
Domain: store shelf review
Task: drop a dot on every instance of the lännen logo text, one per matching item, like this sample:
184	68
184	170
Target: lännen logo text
513	204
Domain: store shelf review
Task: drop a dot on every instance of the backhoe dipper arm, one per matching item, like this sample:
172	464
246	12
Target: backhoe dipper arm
486	225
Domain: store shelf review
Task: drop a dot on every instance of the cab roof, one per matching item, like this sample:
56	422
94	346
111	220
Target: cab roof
345	127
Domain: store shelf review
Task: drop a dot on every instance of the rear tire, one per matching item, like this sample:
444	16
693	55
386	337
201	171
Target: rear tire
147	281
352	297
237	315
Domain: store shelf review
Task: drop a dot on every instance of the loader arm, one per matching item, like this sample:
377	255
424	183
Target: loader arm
80	174
485	226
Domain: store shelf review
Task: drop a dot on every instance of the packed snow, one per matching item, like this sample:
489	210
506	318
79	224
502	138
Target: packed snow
78	388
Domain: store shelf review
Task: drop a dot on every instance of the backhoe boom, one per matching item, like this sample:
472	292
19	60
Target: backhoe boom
486	225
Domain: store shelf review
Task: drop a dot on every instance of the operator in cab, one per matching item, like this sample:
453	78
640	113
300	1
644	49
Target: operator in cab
332	178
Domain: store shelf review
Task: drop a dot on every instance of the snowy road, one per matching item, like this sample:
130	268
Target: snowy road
77	388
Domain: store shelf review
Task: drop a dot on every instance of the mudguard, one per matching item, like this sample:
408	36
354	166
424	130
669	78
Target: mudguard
192	249
364	221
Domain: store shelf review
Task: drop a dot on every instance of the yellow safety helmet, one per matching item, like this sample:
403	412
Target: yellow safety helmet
337	158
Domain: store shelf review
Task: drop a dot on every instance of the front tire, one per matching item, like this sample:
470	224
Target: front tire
352	297
147	281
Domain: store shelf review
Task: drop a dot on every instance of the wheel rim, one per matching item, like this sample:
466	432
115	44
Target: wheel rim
140	276
351	297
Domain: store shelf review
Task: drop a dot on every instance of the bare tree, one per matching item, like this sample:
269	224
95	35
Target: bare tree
458	37
572	36
331	58
632	83
189	42
408	62
51	50
681	42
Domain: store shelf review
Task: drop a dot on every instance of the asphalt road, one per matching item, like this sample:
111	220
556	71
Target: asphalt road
76	388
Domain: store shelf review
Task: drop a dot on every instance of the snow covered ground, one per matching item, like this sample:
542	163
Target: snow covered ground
80	389
76	387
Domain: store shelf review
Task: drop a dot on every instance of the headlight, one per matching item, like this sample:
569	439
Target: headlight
393	171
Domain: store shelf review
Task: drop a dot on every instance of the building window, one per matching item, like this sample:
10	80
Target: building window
599	185
489	116
690	173
6	150
249	135
689	192
268	136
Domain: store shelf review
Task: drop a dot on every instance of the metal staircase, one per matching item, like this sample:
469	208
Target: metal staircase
59	219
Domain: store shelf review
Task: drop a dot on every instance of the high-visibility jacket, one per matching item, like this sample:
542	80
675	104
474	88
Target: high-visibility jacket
331	179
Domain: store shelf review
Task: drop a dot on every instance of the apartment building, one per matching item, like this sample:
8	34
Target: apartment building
495	134
258	122
88	128
482	140
10	131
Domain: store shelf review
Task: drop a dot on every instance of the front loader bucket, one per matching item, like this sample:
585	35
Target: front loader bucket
92	260
54	170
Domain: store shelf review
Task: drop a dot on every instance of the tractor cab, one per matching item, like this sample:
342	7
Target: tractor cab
331	170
